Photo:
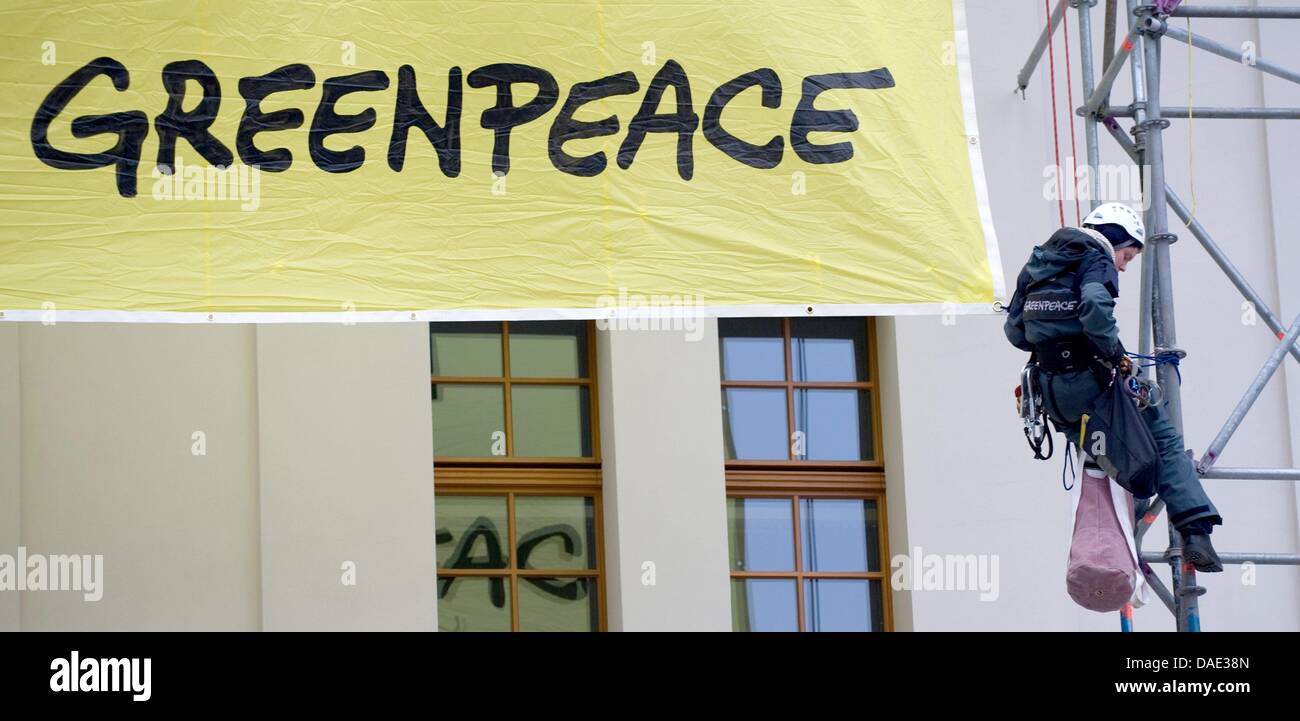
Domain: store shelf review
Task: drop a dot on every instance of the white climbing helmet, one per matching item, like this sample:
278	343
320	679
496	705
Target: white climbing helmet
1121	215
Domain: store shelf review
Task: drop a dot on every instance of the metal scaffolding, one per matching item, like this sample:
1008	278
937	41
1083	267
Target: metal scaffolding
1140	50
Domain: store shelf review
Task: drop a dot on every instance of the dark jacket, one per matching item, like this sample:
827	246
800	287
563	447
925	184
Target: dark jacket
1071	284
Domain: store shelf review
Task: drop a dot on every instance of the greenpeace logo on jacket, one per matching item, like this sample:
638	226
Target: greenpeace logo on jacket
1067	289
1048	306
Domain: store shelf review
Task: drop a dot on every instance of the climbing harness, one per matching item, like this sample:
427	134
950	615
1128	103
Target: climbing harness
1160	358
1144	391
1033	413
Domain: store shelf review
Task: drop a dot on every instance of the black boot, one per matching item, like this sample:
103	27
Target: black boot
1198	551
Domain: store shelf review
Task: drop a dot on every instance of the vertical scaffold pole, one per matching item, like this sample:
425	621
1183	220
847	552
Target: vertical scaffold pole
1163	325
1090	120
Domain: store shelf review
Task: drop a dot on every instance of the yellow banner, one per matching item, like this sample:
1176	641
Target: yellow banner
260	159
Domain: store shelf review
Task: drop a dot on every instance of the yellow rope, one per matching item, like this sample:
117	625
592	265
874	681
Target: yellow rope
1191	153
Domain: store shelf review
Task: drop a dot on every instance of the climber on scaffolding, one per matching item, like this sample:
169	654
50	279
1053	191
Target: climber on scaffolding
1063	313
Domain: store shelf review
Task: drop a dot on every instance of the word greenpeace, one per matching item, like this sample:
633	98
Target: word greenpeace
1041	305
174	122
76	674
36	572
932	572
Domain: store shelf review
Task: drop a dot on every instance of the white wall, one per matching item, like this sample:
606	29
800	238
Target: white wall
346	438
10	467
1284	175
318	451
108	414
664	489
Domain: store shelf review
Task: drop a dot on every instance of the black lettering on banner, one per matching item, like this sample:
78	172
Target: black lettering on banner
808	119
683	122
755	156
326	122
410	113
566	128
505	115
174	122
195	126
130	127
254	90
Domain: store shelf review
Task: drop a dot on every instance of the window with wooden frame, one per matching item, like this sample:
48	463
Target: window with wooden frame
805	477
517	476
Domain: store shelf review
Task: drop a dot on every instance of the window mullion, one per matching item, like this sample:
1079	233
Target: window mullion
506	392
789	393
798	563
512	566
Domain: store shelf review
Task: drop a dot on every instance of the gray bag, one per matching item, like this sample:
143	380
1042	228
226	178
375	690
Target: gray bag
1114	434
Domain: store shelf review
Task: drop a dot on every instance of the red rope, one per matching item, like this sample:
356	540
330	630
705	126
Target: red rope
1056	136
1069	90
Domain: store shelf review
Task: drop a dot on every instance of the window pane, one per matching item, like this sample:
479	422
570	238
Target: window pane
842	605
552	421
828	349
548	349
839	535
471	531
468	420
754	423
558	604
465	349
473	604
752	349
836	424
763	604
555	532
760	534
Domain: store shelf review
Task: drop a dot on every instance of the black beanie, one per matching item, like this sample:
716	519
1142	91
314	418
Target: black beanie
1115	233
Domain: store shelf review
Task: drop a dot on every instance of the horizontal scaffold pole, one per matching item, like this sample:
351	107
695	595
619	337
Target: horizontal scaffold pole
1261	559
1237	11
1209	113
1253	474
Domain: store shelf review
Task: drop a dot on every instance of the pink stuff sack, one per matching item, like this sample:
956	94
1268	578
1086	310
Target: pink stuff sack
1102	573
